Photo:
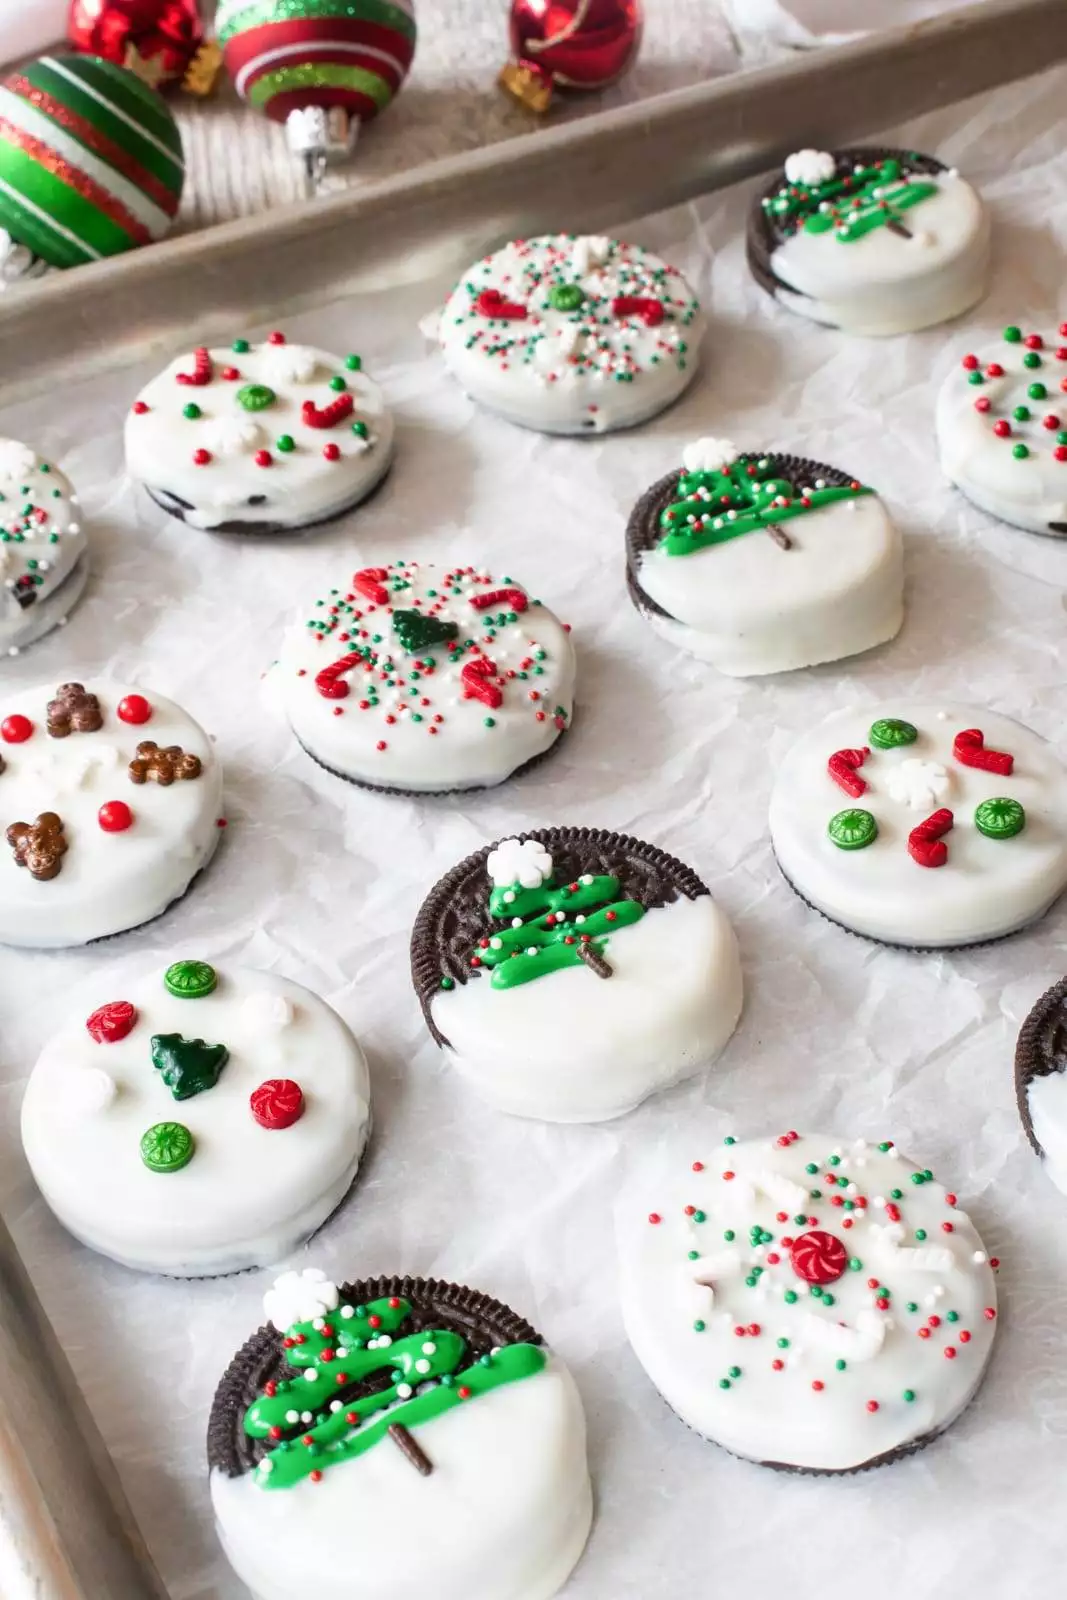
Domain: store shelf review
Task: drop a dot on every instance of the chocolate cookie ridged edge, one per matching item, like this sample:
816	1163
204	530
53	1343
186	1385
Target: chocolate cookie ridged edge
1031	1061
440	794
762	237
643	531
455	914
178	508
483	1322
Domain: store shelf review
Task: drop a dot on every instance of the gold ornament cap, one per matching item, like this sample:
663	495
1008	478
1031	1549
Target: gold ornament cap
530	86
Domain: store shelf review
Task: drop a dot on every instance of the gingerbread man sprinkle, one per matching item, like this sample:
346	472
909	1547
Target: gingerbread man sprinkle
162	765
39	846
73	710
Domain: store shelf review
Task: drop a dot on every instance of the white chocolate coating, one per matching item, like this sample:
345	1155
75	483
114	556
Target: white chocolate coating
827	1385
506	1510
883	284
1047	1101
988	887
297	487
591	369
571	1047
429	735
250	1195
750	607
41	538
107	882
1030	492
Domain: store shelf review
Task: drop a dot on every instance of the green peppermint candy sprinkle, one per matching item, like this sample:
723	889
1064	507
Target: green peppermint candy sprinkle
566	296
190	980
167	1147
889	733
256	397
853	829
1000	818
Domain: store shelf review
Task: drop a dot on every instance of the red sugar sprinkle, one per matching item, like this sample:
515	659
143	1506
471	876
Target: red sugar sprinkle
201	457
989	1313
698	1166
654	1217
946	1227
728	1175
463	1392
872	1405
982	404
316	1476
965	1337
139	408
949	1352
818	1385
777	1365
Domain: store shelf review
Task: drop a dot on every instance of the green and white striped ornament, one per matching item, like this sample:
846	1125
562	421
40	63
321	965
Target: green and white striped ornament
91	160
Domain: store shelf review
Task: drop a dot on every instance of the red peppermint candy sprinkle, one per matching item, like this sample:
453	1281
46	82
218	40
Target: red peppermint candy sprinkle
108	1024
818	1257
277	1103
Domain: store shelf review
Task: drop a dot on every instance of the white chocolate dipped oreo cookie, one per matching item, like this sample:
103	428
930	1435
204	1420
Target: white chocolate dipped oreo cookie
264	437
872	241
923	823
43	550
426	679
572	972
398	1436
1002	429
572	333
1041	1081
109	807
204	1121
762	563
807	1302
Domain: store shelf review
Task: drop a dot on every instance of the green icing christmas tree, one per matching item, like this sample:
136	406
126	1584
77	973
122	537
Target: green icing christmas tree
551	926
187	1066
431	1372
855	203
736	496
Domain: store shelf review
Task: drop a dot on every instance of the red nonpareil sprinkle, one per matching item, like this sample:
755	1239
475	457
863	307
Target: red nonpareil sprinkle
989	1313
950	1200
818	1385
1051	422
728	1175
394	1303
754	1329
982	403
201	457
994	370
332	452
654	1217
949	1352
994	1262
935	1322
964	1336
739	1332
970	363
882	1303
946	1227
276	337
463	1392
263	458
316	1476
381	745
231	374
690	1211
374	1321
872	1405
924	1333
698	1166
1034	341
1002	428
139	408
892	1212
270	1388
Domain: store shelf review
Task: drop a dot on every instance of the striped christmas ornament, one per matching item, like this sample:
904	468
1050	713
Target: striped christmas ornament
287	55
90	160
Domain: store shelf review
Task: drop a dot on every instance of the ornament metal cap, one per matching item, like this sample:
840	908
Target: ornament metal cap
531	86
320	135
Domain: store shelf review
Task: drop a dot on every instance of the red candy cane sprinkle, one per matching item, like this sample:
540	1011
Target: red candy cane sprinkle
925	843
514	599
842	767
370	582
491	303
969	749
475	678
277	1103
327	416
108	1024
203	370
649	310
330	681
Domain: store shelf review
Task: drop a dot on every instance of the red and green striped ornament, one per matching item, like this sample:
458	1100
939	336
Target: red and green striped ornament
287	55
90	160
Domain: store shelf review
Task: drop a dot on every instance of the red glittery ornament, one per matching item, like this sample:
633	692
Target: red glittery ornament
570	44
162	41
